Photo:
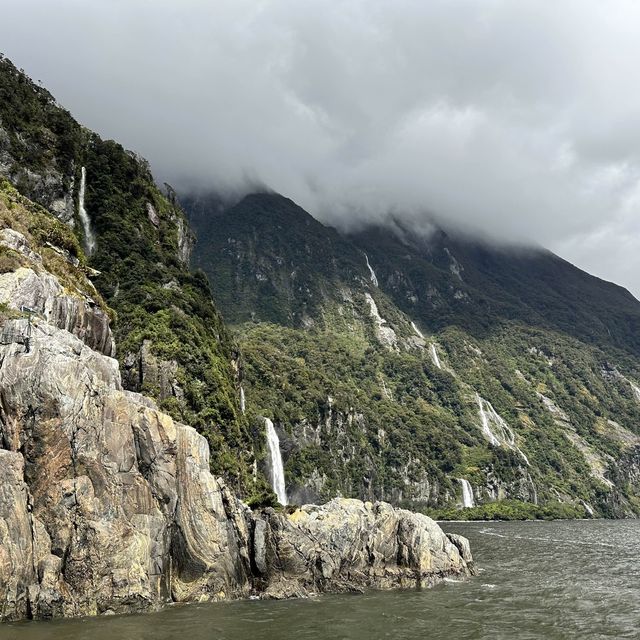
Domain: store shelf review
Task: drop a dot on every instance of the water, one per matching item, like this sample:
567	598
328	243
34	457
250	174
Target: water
434	356
277	468
467	494
416	330
490	415
243	402
372	273
89	238
539	580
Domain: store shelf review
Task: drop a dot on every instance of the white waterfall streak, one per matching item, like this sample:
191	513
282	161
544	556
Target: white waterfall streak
374	279
484	421
467	494
277	468
243	404
434	356
416	330
501	434
89	238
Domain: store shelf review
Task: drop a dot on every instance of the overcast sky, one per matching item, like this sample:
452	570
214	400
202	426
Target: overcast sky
517	118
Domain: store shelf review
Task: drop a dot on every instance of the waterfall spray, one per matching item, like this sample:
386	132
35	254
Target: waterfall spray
89	238
277	468
467	494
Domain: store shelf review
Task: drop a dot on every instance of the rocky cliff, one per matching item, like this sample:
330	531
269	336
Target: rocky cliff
173	344
108	505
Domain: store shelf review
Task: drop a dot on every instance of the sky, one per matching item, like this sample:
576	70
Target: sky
515	119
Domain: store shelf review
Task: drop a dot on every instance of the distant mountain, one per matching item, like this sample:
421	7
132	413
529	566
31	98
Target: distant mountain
401	366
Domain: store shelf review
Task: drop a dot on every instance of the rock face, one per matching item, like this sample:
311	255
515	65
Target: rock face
49	186
108	505
32	286
43	293
348	544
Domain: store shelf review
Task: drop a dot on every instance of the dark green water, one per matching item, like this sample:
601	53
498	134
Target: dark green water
550	580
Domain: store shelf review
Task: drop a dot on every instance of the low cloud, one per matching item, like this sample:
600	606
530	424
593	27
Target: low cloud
517	120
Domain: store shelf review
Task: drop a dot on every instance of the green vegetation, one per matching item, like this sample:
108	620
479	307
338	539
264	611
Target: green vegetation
55	242
162	310
373	421
361	405
510	510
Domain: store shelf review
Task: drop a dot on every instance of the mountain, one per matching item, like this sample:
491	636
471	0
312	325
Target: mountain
433	371
172	343
108	505
108	501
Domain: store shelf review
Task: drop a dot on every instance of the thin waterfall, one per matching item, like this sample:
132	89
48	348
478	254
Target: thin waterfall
374	279
416	330
506	436
243	403
89	238
484	420
467	494
277	468
434	356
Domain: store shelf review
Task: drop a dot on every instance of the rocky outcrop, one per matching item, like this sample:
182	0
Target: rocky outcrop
47	185
69	307
108	505
348	544
43	293
144	371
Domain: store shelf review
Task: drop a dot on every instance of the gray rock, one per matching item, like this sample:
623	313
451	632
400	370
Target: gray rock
42	292
107	505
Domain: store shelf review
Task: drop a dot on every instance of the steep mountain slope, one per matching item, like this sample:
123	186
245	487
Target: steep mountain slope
172	342
428	370
107	505
474	285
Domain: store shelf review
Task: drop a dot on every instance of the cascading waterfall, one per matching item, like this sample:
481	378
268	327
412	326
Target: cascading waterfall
89	238
434	356
374	279
588	509
506	437
243	403
416	330
467	494
277	468
484	420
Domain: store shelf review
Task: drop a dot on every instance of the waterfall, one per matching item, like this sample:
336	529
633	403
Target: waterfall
374	279
416	330
277	469
506	436
89	238
467	494
243	404
434	356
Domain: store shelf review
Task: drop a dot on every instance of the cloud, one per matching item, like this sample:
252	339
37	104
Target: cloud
517	120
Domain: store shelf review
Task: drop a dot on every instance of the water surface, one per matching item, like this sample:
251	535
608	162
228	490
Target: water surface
550	580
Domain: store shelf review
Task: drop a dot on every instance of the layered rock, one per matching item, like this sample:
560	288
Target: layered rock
43	293
108	505
348	544
65	302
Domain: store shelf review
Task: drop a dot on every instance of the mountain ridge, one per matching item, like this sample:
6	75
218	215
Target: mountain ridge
421	335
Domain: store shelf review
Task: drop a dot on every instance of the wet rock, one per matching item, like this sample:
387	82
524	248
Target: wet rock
348	545
107	505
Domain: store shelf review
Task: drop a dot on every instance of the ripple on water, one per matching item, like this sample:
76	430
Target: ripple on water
551	580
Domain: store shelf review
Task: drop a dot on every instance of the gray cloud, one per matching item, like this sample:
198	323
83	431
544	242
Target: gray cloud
520	120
